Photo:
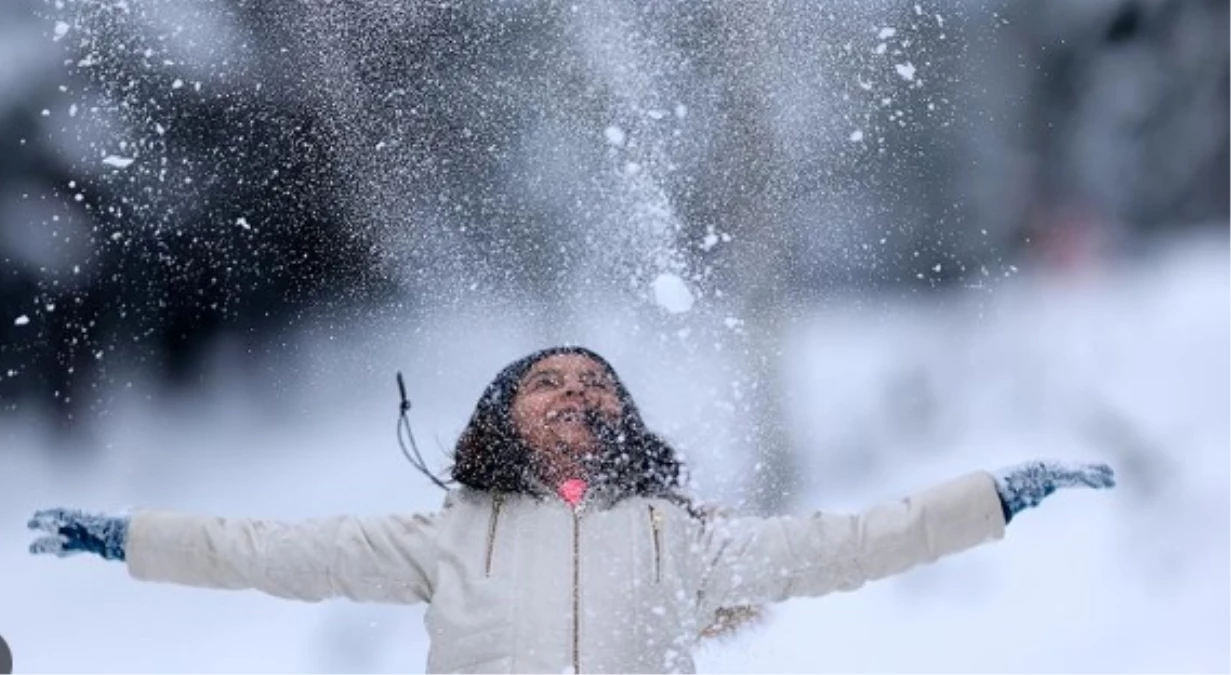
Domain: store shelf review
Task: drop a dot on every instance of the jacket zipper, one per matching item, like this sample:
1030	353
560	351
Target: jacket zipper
576	591
497	501
656	524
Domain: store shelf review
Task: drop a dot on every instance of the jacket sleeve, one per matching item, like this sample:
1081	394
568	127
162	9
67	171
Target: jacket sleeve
390	559
752	561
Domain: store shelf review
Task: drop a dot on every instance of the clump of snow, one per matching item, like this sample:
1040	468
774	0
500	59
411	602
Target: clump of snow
117	161
22	320
672	294
906	71
615	136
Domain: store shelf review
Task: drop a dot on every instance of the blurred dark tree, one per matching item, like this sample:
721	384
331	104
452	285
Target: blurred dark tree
227	220
1108	124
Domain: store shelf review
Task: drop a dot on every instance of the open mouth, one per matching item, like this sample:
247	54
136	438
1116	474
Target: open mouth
567	416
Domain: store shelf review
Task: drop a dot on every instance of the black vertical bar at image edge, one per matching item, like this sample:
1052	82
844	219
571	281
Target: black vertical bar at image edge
6	657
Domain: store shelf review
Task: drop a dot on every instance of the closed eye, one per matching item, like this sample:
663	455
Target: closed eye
597	382
544	381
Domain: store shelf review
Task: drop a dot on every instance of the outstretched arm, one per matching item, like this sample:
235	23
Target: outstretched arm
758	560
389	559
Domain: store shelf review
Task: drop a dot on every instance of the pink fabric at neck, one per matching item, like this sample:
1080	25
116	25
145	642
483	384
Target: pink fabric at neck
572	490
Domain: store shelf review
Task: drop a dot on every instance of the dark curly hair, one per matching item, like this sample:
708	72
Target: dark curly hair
490	454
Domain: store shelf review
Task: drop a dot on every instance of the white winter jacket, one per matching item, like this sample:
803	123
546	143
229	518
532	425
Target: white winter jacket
517	583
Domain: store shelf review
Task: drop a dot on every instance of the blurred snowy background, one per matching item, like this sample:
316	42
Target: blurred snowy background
839	252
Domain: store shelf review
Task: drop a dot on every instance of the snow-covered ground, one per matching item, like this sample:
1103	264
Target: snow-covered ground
1125	363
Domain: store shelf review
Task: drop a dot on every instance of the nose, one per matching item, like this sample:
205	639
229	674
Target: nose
573	387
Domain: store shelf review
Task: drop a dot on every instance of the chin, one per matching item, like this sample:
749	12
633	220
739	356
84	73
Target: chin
577	446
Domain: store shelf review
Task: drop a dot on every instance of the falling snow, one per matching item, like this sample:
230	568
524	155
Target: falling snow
672	294
614	135
413	168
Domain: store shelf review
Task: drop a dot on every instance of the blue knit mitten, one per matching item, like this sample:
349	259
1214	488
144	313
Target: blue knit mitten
72	531
1025	485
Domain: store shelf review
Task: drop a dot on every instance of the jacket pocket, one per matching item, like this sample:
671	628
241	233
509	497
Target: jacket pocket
656	533
486	650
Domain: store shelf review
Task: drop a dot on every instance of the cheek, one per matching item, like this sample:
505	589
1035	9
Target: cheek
527	415
610	404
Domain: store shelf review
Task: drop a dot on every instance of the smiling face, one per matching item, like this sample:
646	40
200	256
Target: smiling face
550	410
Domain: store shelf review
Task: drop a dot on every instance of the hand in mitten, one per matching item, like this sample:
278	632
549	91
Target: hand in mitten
1025	485
71	531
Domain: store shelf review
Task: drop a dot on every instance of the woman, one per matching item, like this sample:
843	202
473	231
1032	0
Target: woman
568	543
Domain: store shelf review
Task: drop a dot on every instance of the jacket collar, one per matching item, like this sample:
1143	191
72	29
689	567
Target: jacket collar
597	496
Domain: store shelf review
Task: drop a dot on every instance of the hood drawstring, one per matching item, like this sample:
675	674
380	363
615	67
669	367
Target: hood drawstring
416	460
